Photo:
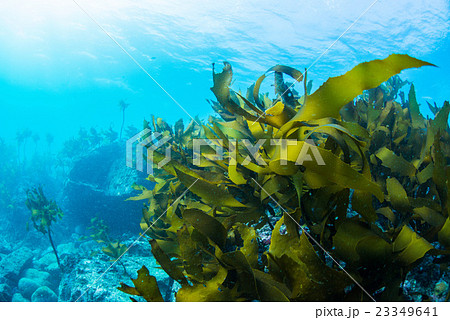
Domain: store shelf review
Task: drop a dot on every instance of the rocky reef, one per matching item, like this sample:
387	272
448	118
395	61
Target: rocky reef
86	275
98	185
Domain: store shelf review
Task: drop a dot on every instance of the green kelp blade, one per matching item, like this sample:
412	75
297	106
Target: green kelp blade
295	74
221	90
279	114
336	92
114	249
236	176
440	163
440	122
269	289
444	234
209	192
145	285
146	194
168	265
207	225
352	130
430	216
190	254
171	168
426	174
397	195
250	105
397	164
293	260
388	213
357	244
250	246
409	246
417	119
447	207
236	129
362	203
331	171
236	261
274	184
222	81
210	291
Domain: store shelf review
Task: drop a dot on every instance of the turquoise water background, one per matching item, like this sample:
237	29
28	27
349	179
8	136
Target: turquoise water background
60	71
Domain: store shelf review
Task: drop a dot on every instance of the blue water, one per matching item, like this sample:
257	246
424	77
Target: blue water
59	71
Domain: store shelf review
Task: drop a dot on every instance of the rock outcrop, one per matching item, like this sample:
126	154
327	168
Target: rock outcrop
94	277
98	185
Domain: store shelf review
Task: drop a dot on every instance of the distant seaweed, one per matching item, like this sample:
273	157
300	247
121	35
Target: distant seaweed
84	143
113	248
123	106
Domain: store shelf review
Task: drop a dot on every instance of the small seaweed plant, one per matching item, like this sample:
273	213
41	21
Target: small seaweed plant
100	233
43	213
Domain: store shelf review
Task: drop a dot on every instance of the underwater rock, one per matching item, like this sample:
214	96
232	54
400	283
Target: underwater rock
13	264
17	297
43	278
97	273
46	260
426	282
264	235
27	287
5	292
39	276
88	246
440	291
98	185
88	273
44	294
53	268
5	249
34	240
67	248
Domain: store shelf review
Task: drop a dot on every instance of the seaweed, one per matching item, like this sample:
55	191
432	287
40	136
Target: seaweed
123	106
22	139
83	143
43	213
98	231
113	248
349	230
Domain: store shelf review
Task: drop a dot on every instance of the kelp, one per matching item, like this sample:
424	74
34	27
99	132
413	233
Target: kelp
115	250
98	231
43	213
112	248
338	91
363	178
145	286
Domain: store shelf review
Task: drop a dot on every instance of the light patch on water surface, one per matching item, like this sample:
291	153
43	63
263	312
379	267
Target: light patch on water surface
251	32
